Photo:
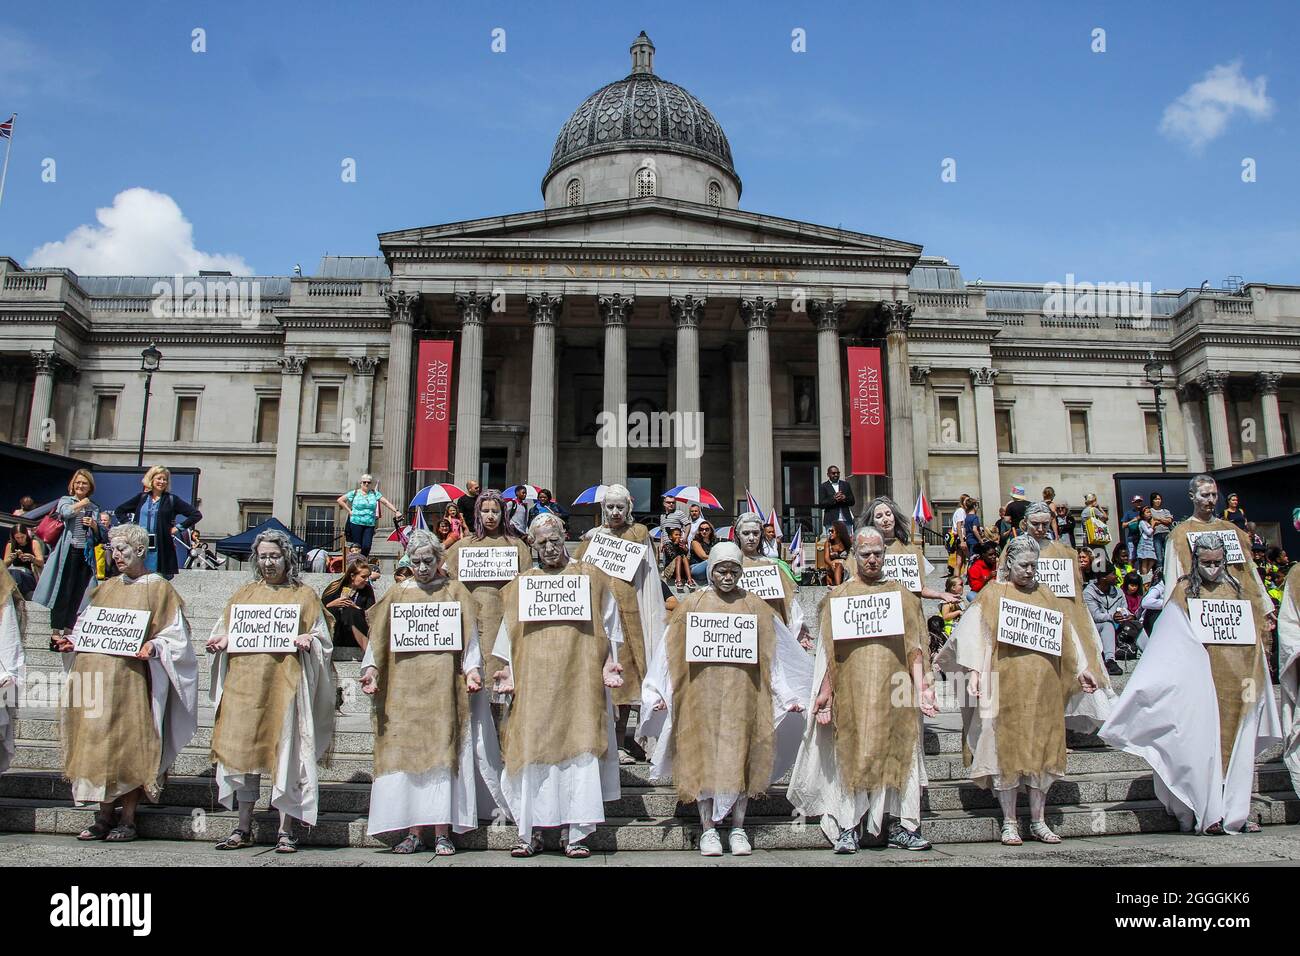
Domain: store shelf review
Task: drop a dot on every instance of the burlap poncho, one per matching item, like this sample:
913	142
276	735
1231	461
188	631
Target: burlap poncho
118	748
421	709
875	735
1031	688
260	689
722	726
633	652
559	710
1077	612
1239	671
487	594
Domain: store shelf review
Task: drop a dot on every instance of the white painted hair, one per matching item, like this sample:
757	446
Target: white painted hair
135	536
869	532
748	517
1038	508
619	493
421	538
1021	543
725	551
543	521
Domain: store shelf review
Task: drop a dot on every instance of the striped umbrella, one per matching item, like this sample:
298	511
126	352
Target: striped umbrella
695	495
529	495
592	496
442	494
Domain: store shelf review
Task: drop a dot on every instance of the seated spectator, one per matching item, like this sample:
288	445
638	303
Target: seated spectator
348	599
1108	609
25	504
838	546
24	557
938	634
402	572
701	545
676	559
984	568
1085	565
1119	561
201	556
447	532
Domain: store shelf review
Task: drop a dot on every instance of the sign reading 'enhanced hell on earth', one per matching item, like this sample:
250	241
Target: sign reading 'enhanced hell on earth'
763	580
263	628
1032	627
424	626
110	630
554	597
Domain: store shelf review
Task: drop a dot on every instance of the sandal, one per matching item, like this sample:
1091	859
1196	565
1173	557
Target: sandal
99	830
577	851
522	850
1011	833
1215	829
442	846
237	840
286	844
122	833
412	844
624	757
1043	833
1250	826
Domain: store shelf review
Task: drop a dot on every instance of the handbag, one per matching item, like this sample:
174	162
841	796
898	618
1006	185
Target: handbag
1096	531
49	529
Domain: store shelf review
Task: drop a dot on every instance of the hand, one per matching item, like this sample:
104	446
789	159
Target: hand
660	705
302	642
822	708
369	682
1088	682
795	708
805	639
613	674
973	683
1120	615
929	706
146	651
88	522
216	644
474	681
6	681
64	644
175	530
503	682
343	602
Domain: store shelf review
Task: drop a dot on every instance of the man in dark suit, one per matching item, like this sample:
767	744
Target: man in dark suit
835	498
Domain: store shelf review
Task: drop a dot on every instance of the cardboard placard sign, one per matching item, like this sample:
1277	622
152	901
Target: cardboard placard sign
616	557
1232	544
1058	575
763	580
263	629
721	638
904	568
486	564
867	615
1221	621
554	597
110	630
424	626
1030	626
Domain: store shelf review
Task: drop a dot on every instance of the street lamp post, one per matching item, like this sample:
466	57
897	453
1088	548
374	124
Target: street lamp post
1154	369
150	359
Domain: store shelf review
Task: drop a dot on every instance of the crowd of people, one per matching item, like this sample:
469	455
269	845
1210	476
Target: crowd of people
504	670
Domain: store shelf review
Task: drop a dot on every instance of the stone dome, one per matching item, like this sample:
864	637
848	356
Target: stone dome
641	112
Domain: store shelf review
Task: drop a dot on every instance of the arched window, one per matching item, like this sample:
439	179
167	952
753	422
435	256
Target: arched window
645	182
574	192
715	193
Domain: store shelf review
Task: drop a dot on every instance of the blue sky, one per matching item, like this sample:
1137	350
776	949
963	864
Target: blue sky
1062	165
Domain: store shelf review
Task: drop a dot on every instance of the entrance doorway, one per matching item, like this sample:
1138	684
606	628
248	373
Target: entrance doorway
799	483
647	483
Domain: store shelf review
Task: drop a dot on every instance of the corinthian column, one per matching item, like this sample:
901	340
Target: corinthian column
474	308
42	398
902	457
1213	384
830	389
1268	384
615	310
757	313
686	312
545	310
403	307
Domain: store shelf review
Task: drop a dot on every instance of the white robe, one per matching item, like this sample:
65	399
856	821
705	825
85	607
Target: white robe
174	694
791	680
401	800
13	669
1288	656
815	783
1169	716
295	790
574	792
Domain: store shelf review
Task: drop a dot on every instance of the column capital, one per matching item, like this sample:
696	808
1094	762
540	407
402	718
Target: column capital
473	307
826	314
757	311
1268	382
1212	382
898	316
402	306
545	308
983	376
44	361
364	364
291	363
686	310
920	374
1188	393
615	309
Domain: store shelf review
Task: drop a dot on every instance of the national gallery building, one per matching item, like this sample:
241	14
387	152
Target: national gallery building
641	287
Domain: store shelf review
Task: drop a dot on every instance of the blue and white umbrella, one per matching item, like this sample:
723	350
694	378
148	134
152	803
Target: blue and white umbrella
592	496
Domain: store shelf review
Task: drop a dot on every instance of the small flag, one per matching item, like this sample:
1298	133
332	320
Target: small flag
922	513
7	128
775	523
751	504
796	550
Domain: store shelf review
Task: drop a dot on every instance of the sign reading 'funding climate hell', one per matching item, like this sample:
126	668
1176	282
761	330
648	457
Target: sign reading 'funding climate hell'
1221	621
866	411
432	406
867	615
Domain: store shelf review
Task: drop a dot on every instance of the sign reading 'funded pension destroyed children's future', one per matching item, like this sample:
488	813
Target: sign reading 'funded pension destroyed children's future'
487	564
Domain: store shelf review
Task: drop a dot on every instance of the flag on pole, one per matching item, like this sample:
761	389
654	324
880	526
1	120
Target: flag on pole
401	534
7	133
7	127
796	551
775	523
751	504
922	512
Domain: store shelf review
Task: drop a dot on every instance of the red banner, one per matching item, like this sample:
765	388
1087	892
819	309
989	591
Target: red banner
432	405
866	411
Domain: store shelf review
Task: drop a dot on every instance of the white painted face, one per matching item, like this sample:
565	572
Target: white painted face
1211	565
616	512
871	557
749	536
1039	525
724	576
549	544
272	563
1022	570
425	565
883	519
1204	499
490	511
127	559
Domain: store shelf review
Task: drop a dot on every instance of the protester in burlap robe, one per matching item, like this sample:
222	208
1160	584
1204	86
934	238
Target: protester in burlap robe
1200	714
863	751
640	603
1084	712
717	724
1288	635
747	534
490	531
1013	718
437	760
13	667
275	712
561	758
128	717
1204	492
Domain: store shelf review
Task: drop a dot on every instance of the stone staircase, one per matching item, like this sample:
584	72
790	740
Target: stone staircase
1107	792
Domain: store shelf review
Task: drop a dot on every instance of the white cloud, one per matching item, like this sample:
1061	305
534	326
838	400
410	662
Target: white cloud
1202	112
142	233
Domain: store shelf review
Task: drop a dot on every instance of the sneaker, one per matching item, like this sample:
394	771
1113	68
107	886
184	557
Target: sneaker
739	843
847	842
710	843
1113	669
901	838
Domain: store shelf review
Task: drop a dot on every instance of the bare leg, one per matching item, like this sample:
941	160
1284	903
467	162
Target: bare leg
620	724
706	813
246	815
1007	798
129	802
738	812
362	640
1037	804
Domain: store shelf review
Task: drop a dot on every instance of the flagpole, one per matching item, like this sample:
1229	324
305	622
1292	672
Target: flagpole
13	125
